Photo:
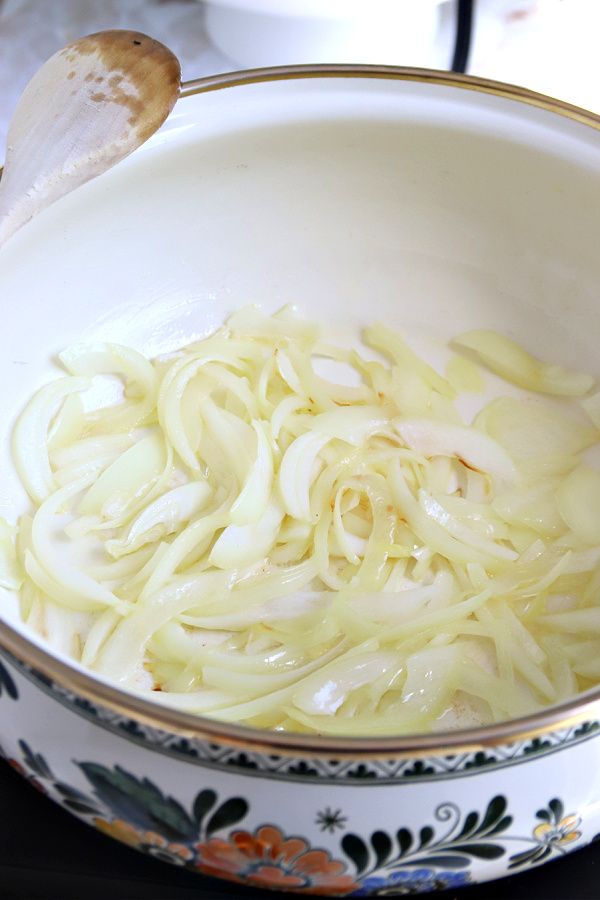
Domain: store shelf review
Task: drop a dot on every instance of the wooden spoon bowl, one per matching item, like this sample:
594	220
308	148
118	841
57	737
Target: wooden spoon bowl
87	108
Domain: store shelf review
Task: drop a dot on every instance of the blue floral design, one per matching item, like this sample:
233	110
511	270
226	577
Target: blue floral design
411	881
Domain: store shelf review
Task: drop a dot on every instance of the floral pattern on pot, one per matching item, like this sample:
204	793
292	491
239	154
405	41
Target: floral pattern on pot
405	863
137	813
396	859
267	858
555	832
149	842
34	768
207	837
412	881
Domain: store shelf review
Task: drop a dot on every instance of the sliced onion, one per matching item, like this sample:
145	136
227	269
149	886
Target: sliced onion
296	473
45	547
527	429
476	450
242	545
266	546
513	363
353	424
578	502
133	472
11	569
29	449
253	499
107	359
431	679
324	692
163	516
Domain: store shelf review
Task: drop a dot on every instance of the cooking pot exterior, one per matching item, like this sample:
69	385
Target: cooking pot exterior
335	827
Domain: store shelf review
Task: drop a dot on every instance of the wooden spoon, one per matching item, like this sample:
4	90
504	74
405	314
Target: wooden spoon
88	107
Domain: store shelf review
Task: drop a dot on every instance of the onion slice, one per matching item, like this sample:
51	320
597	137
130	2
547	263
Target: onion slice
510	361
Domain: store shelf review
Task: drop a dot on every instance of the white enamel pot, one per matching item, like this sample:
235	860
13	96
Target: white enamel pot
435	202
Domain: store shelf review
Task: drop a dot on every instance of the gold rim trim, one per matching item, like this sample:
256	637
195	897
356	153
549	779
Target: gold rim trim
395	73
579	709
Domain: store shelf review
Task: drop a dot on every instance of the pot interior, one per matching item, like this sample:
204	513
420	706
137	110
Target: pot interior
431	207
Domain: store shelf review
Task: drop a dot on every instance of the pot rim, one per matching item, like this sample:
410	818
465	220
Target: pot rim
582	708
